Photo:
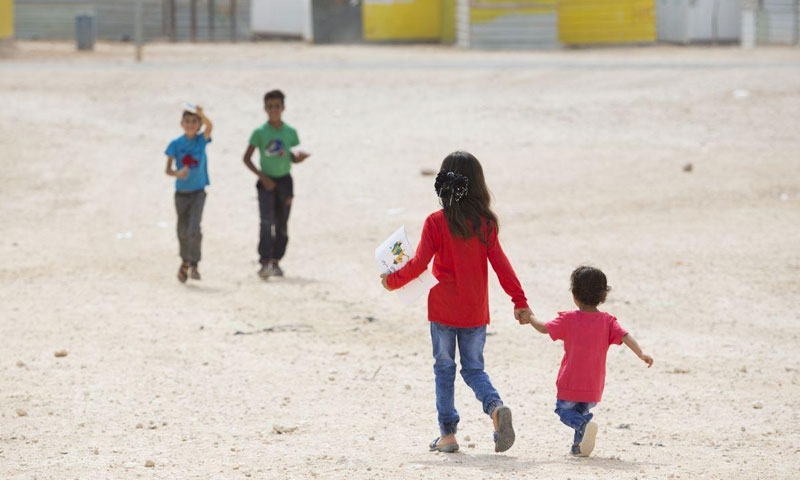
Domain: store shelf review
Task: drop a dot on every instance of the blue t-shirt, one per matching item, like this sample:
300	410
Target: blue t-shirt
190	152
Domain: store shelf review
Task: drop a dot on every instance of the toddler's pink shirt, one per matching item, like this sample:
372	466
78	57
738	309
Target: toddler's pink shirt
586	336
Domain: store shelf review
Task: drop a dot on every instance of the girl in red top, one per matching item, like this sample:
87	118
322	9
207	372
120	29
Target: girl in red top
461	238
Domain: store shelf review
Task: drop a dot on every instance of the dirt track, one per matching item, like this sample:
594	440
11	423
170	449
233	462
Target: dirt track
584	152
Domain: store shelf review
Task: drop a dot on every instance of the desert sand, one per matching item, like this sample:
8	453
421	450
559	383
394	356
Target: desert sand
584	152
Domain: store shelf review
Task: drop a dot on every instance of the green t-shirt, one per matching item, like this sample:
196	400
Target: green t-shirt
274	146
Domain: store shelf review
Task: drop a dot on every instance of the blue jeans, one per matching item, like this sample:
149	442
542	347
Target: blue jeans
470	347
575	415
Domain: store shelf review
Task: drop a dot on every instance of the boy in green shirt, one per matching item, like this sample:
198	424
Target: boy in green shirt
274	141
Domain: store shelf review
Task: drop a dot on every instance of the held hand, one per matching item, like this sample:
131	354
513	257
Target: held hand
384	282
199	111
647	359
268	183
300	156
522	315
182	173
289	201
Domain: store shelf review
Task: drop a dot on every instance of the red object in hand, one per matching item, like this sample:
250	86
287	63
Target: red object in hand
189	161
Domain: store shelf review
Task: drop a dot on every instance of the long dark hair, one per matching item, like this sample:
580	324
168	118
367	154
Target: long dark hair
467	213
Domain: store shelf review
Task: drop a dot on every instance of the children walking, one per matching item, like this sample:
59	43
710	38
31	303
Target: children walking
188	152
274	141
461	237
587	333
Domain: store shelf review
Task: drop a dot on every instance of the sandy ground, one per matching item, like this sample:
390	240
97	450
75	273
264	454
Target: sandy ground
584	151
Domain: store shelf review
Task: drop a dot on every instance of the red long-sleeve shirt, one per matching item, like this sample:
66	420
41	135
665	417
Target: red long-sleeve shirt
461	298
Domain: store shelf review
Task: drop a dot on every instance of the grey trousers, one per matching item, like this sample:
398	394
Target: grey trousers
189	206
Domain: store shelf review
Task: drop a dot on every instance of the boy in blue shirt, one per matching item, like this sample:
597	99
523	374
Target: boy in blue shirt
191	172
274	141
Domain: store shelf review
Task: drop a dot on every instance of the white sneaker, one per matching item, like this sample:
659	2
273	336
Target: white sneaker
589	435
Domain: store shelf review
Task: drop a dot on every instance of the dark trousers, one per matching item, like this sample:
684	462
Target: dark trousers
189	206
272	205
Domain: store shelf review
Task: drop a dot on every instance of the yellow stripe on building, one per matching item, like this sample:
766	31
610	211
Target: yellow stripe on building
6	19
484	11
402	19
606	21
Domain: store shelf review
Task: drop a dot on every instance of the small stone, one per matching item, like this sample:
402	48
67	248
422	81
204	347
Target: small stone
470	445
467	439
139	425
758	405
60	353
20	363
407	387
743	369
626	426
281	430
372	438
149	464
688	167
22	413
427	172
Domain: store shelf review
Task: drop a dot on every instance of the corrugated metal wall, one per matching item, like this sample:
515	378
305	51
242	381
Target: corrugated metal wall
48	19
55	19
686	21
778	22
219	29
336	21
507	24
587	22
462	23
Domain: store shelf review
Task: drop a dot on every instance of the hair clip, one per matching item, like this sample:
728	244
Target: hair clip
451	187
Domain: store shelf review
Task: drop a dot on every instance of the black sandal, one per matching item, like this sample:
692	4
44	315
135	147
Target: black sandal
183	272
